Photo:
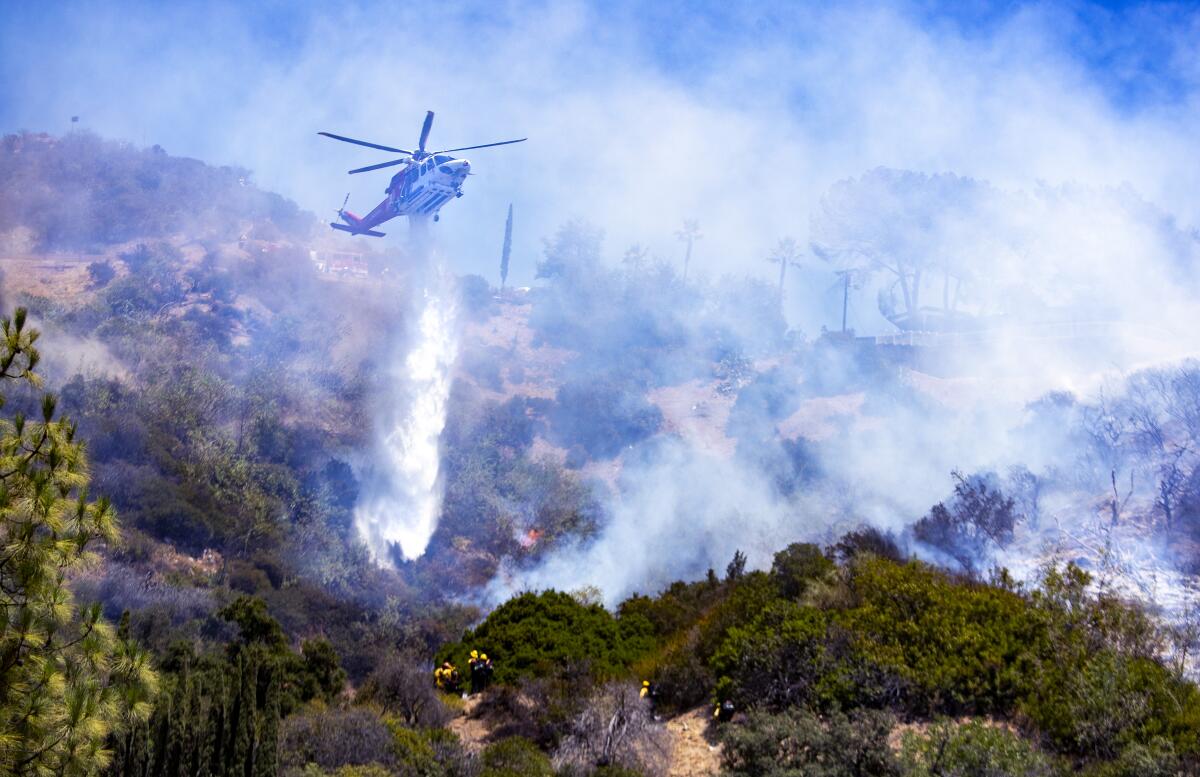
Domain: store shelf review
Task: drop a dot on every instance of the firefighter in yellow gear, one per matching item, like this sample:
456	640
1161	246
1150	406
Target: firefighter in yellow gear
481	671
645	689
446	677
723	712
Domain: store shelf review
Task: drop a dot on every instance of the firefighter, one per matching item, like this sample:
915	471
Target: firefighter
723	712
449	678
649	692
437	677
477	671
488	669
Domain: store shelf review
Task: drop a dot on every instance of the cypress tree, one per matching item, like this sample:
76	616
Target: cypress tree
233	721
245	734
162	734
193	728
266	762
506	251
217	717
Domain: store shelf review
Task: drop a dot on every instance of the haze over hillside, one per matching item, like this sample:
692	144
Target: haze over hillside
821	396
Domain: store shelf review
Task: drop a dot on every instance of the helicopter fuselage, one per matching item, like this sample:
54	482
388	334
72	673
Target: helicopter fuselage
425	186
420	189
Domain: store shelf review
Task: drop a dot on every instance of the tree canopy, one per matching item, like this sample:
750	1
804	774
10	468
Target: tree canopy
68	680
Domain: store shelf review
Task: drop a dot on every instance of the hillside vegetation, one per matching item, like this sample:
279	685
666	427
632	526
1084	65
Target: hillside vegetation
225	405
79	192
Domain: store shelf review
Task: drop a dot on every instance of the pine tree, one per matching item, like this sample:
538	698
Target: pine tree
506	251
67	680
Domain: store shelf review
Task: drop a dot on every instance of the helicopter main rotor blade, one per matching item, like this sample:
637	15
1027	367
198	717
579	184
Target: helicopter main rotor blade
378	166
364	143
485	145
425	131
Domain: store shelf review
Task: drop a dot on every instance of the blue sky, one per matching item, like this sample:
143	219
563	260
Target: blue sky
639	114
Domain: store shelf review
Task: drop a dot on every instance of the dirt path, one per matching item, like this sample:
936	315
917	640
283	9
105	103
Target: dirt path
471	731
692	755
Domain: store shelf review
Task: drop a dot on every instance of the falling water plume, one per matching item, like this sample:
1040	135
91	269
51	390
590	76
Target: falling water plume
405	495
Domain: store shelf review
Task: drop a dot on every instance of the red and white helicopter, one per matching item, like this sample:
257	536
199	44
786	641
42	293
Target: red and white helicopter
428	181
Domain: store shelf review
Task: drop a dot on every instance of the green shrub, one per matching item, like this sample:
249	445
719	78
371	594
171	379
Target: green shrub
681	678
538	709
796	566
538	635
745	600
515	757
973	748
617	771
331	739
1098	687
779	660
678	607
798	742
403	687
1097	704
958	646
902	635
369	770
414	752
427	753
1154	759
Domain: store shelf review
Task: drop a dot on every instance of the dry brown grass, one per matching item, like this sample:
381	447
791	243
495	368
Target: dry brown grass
694	752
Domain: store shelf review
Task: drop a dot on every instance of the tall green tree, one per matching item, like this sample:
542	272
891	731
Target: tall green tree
688	235
786	254
506	251
68	680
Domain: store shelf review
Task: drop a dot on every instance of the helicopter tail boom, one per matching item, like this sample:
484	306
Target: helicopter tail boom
357	230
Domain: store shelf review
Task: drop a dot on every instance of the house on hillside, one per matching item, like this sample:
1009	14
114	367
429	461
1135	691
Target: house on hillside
339	263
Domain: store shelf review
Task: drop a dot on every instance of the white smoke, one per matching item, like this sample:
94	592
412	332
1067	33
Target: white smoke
405	496
1079	286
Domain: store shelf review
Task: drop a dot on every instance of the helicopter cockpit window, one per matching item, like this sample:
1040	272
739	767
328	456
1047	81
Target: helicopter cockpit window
442	159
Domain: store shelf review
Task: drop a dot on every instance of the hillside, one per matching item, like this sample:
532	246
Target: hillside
614	440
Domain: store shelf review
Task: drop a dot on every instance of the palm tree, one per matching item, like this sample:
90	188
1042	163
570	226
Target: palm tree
689	234
635	258
786	253
850	278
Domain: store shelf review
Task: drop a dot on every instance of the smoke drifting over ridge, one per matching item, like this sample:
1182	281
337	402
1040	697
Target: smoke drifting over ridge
1084	212
1068	289
741	119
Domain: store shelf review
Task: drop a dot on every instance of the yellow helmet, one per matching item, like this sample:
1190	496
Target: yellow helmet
646	683
474	654
483	657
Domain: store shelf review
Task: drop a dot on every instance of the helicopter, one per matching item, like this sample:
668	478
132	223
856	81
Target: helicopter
428	181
